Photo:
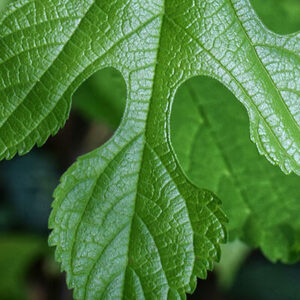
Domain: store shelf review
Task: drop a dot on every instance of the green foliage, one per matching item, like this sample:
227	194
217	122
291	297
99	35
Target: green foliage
126	221
262	203
2	4
102	97
16	255
279	16
210	114
261	68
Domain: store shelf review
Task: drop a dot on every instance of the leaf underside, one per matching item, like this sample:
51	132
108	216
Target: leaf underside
126	221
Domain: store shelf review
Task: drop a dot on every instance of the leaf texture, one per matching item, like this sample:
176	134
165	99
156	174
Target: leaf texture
126	230
217	137
261	202
223	39
126	221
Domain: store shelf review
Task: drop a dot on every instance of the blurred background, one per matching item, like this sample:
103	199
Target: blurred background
27	266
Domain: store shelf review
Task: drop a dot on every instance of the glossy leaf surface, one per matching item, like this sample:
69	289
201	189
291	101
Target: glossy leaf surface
126	221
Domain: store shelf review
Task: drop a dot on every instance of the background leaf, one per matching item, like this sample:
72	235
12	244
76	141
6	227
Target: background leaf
102	97
261	202
279	16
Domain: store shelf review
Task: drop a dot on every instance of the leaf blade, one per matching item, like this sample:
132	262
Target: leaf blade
142	45
260	201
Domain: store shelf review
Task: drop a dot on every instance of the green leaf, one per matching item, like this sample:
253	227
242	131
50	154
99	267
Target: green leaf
2	4
200	155
132	226
261	202
126	221
223	39
98	99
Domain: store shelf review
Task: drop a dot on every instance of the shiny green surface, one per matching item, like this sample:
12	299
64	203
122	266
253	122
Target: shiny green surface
53	47
126	221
